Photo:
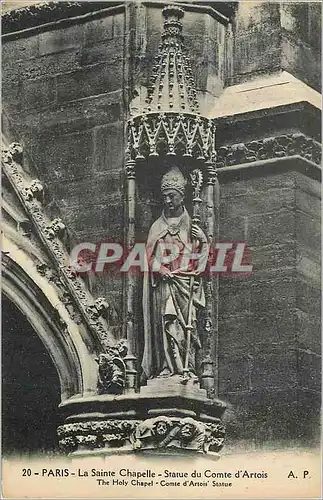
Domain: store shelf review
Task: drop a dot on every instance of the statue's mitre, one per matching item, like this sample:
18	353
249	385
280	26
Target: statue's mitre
173	179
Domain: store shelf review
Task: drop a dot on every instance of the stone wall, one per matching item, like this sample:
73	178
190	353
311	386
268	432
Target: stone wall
63	93
272	36
269	324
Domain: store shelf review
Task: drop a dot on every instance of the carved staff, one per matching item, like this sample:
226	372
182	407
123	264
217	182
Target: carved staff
196	181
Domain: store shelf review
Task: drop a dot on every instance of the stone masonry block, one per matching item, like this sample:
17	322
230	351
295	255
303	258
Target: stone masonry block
38	93
118	25
309	263
105	188
97	30
233	373
233	229
94	215
274	369
107	50
276	256
20	49
65	157
109	140
302	61
46	66
236	299
254	185
256	203
308	185
257	330
61	39
268	229
309	370
74	116
277	295
308	331
89	81
308	296
308	230
308	203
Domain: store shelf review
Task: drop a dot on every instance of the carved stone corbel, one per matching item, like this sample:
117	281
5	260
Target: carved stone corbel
112	369
56	229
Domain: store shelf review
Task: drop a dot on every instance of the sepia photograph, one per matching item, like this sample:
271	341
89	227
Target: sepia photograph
161	249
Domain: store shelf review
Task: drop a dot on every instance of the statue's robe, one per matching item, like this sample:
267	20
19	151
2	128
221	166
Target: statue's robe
166	302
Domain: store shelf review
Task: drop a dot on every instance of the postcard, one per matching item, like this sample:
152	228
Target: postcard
161	242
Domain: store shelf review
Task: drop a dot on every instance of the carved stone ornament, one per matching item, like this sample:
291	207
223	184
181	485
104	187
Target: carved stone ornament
154	433
170	123
172	432
35	190
271	147
80	304
95	434
112	369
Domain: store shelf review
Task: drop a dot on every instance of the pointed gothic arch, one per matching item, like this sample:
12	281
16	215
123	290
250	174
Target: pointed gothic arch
38	301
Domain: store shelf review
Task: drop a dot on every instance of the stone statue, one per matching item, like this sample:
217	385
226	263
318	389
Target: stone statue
173	292
112	369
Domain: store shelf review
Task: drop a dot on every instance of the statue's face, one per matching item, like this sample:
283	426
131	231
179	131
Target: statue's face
187	431
173	200
161	428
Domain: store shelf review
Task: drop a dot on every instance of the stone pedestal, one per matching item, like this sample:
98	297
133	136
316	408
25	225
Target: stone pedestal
165	417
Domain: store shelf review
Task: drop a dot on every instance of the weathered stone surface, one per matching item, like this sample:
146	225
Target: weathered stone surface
308	185
257	184
47	65
99	189
274	369
273	256
271	228
308	230
70	117
38	93
108	143
20	49
309	367
308	203
309	263
74	160
302	40
269	37
61	39
261	420
256	330
308	296
308	328
302	61
93	80
107	50
260	202
98	30
257	44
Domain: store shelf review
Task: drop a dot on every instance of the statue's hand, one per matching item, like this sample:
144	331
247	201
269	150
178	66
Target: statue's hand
198	233
165	273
